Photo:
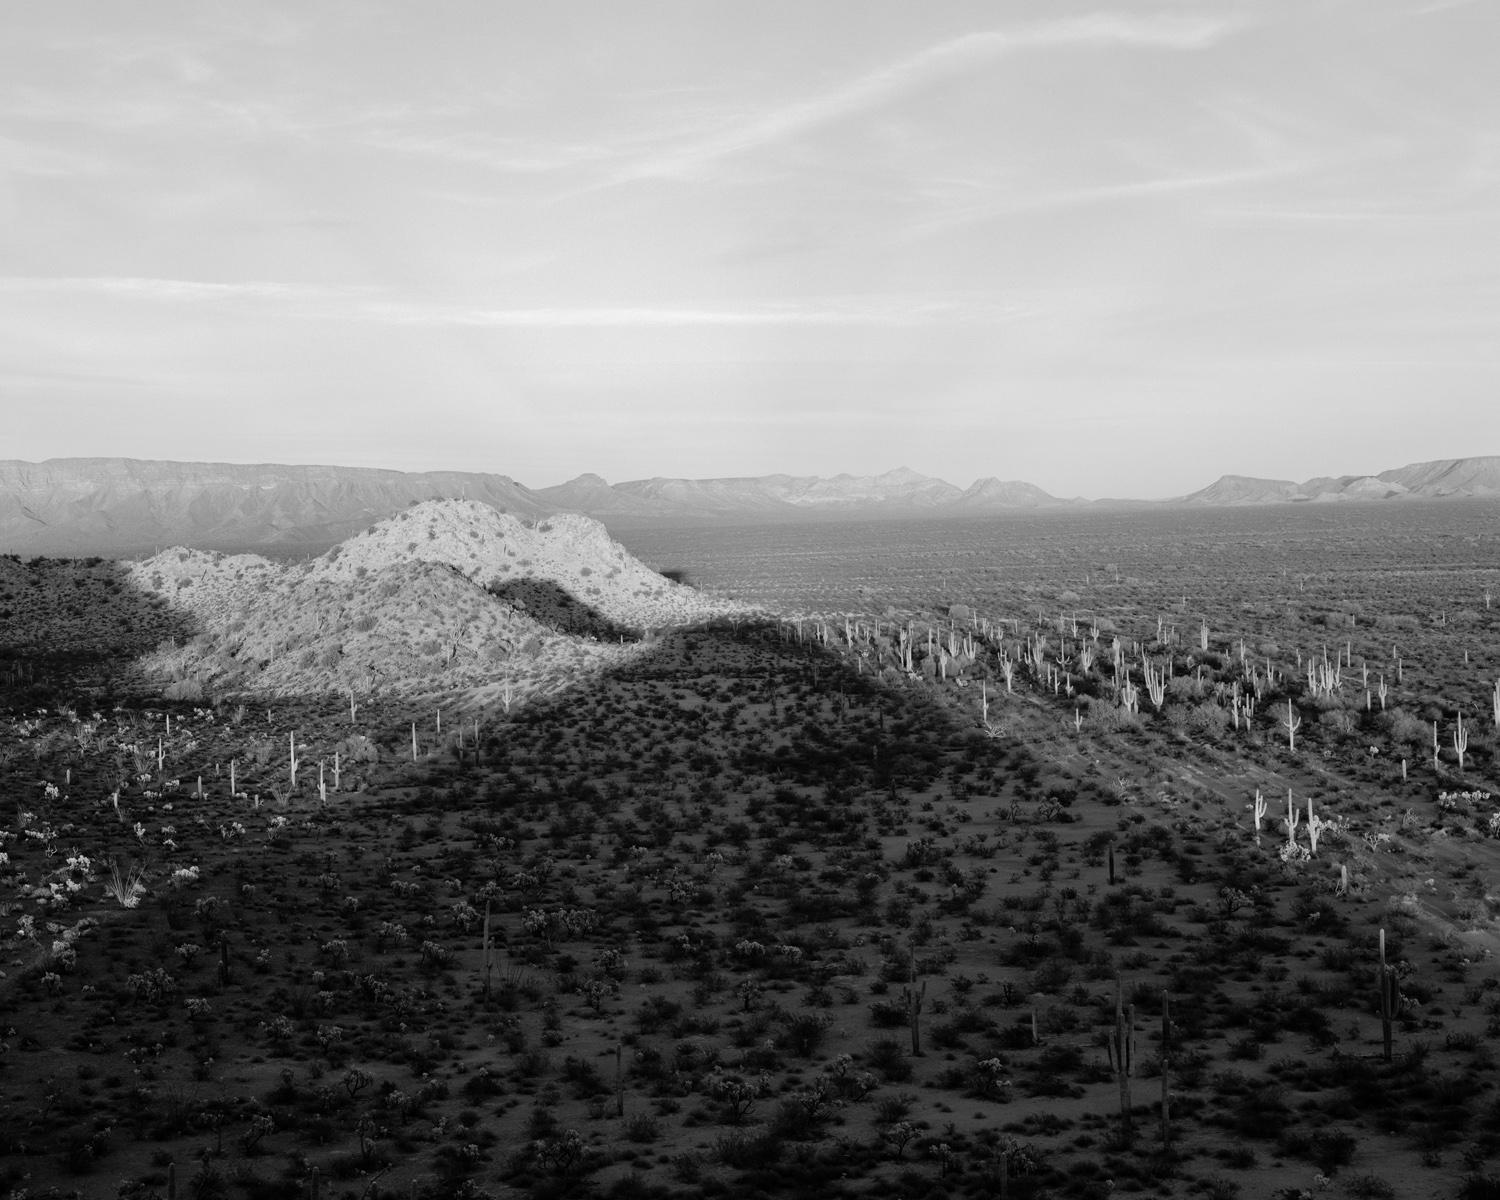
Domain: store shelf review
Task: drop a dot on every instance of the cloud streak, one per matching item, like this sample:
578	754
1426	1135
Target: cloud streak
374	306
946	59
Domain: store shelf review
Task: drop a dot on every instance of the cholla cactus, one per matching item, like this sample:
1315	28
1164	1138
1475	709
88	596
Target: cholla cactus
737	1094
991	1080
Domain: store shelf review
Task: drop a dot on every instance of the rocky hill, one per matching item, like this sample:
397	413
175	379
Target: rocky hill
409	606
991	494
493	549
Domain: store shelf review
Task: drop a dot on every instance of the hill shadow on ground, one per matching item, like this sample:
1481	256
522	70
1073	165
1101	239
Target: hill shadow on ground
70	627
555	606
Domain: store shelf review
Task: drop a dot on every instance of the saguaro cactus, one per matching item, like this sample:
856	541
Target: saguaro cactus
1389	1000
619	1080
1166	1063
1292	723
487	947
1156	683
1315	826
1121	1047
1460	741
911	998
1259	808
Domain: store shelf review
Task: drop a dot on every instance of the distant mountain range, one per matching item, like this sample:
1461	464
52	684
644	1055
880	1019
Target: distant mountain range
121	507
901	491
1445	479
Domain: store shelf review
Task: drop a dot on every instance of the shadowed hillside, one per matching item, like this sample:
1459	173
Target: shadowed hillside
71	624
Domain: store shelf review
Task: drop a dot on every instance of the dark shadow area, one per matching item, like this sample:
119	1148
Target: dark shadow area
70	627
552	605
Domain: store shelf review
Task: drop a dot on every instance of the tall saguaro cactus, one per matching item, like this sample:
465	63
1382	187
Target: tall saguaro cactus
912	997
1292	723
1166	1062
1390	997
488	948
1121	1047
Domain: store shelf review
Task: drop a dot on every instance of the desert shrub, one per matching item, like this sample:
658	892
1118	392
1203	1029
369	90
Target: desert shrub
744	1151
642	1127
1369	1187
1208	720
1263	1112
1331	1149
888	1014
887	1057
804	1032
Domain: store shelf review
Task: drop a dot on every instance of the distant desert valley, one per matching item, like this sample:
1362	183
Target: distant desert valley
381	835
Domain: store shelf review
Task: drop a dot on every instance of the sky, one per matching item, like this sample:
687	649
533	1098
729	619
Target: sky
1112	249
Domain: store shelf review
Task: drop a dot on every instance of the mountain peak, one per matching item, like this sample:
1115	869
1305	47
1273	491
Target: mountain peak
902	475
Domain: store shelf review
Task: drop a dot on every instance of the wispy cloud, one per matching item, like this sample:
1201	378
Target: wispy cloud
994	203
169	290
505	154
955	56
864	311
19	156
375	305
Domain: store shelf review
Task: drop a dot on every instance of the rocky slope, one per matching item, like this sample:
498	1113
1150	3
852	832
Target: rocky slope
407	607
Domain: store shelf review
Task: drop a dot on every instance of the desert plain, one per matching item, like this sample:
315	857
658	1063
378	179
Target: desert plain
1067	854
